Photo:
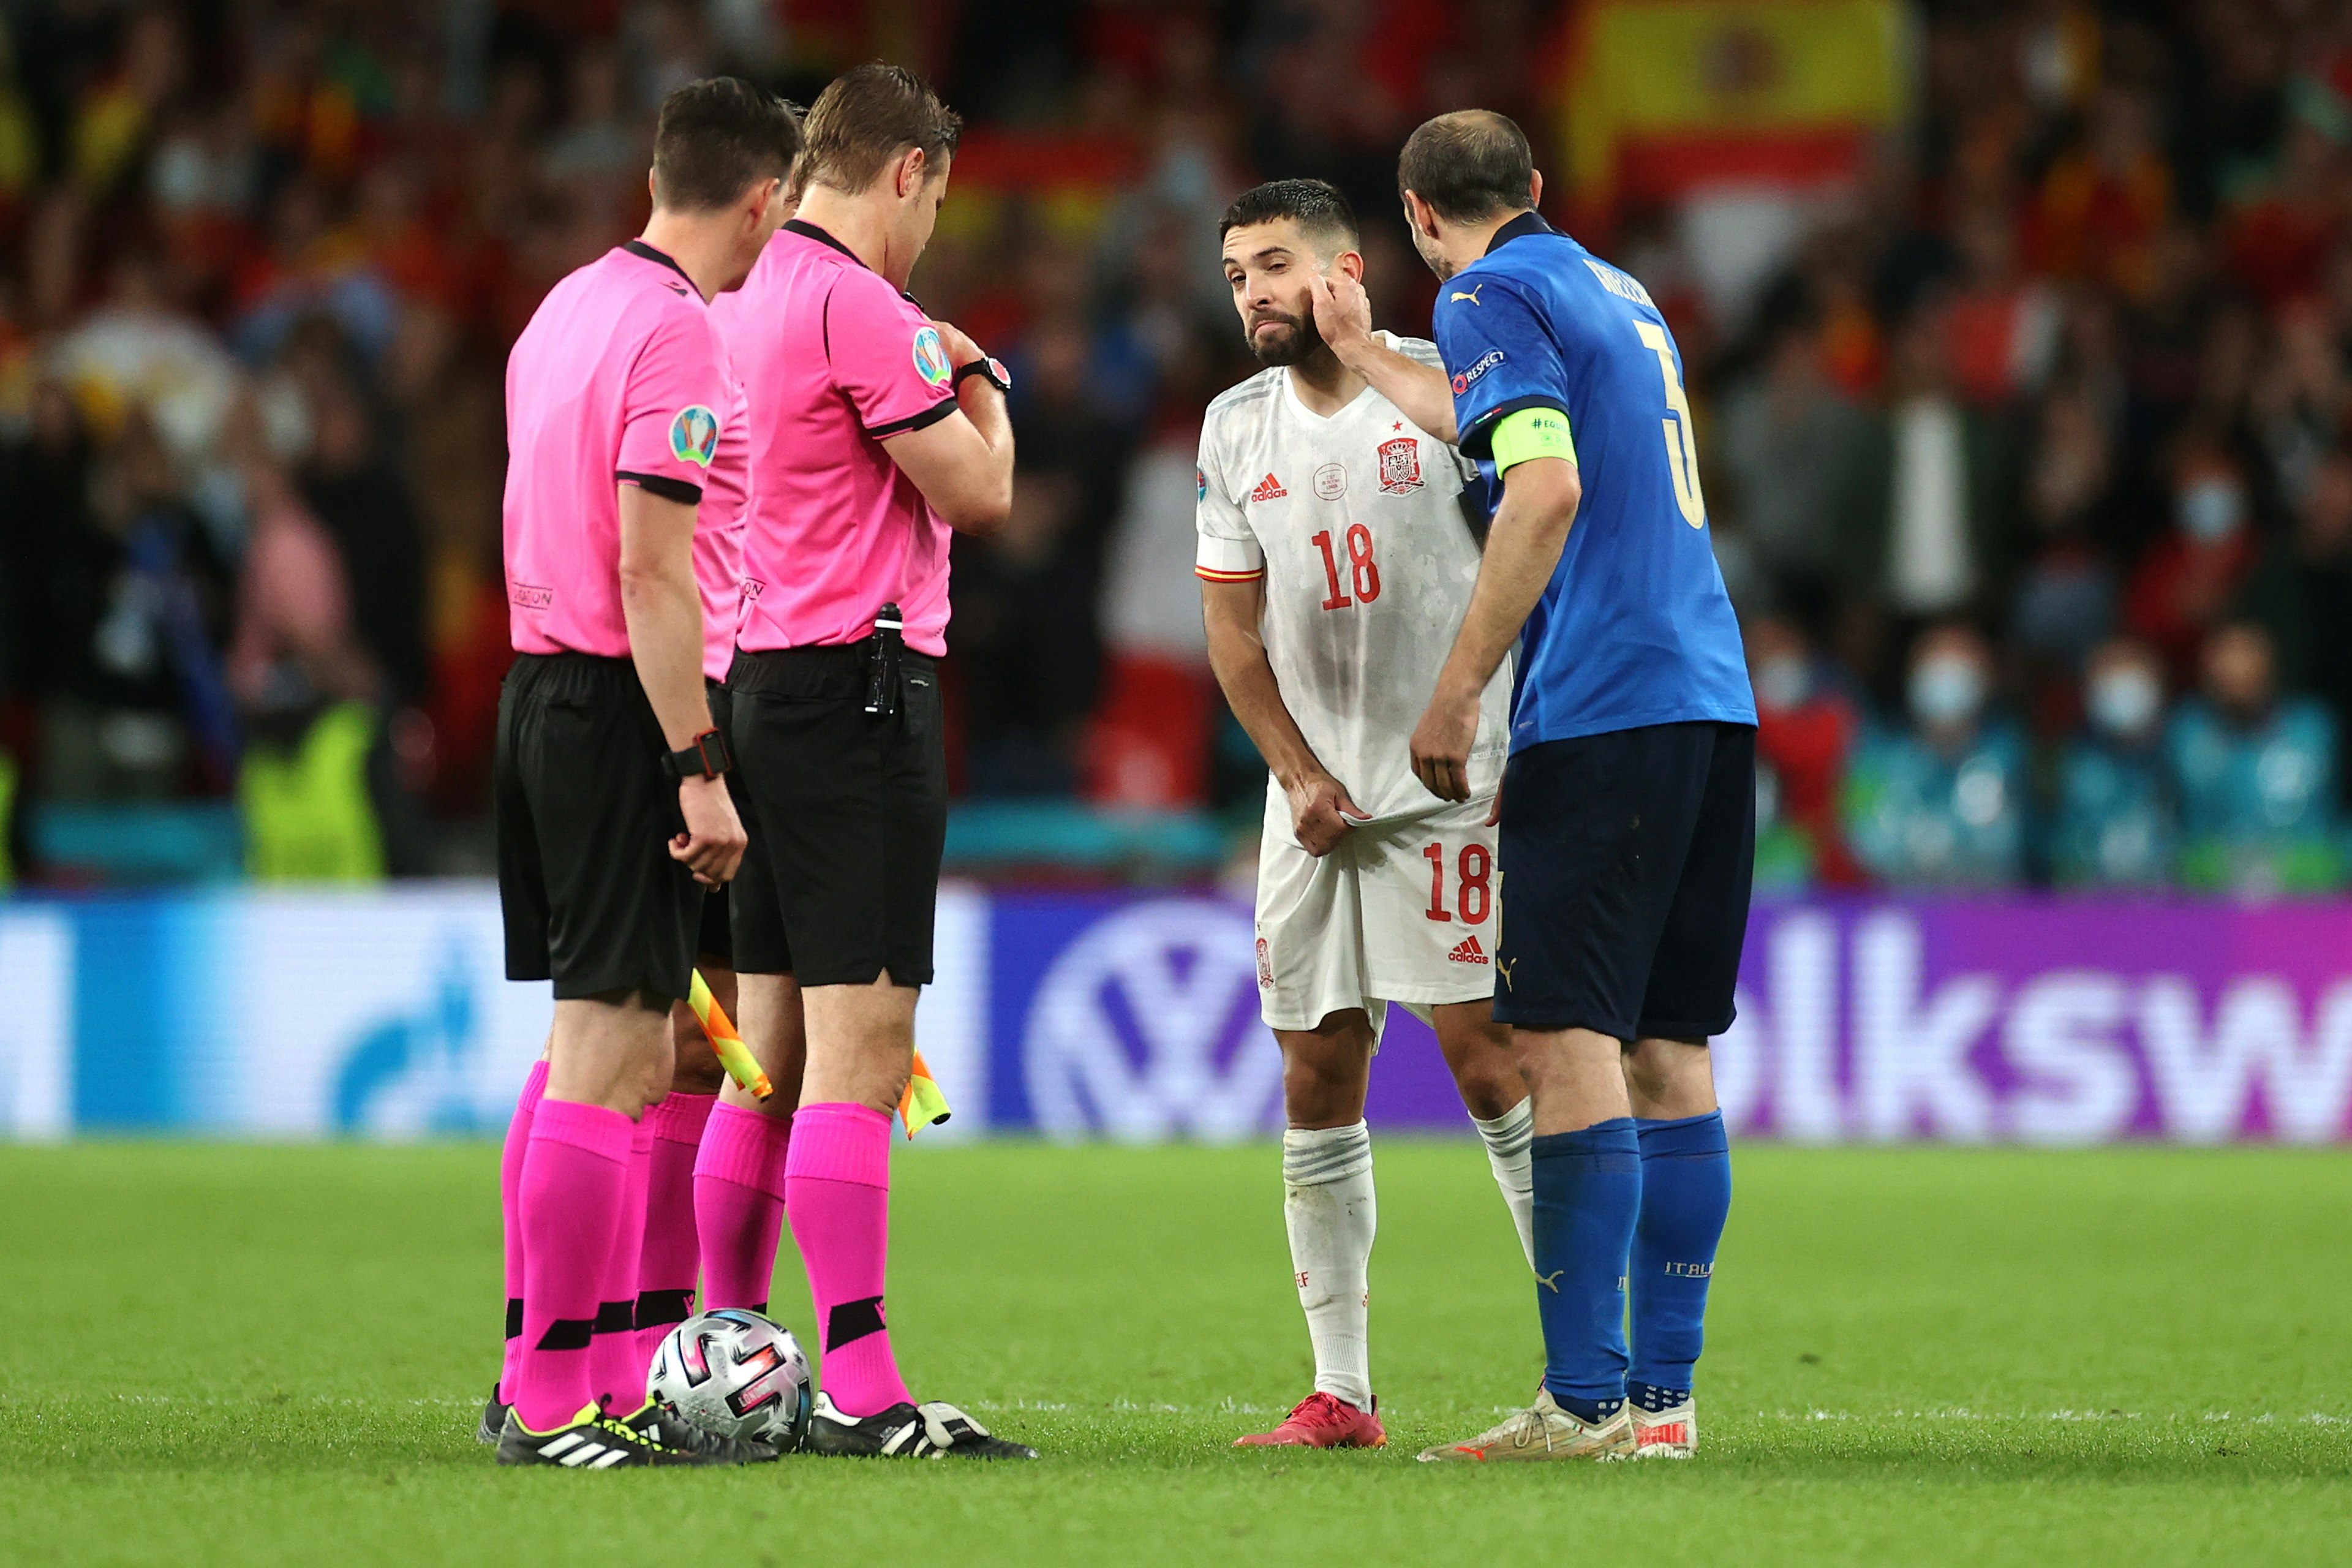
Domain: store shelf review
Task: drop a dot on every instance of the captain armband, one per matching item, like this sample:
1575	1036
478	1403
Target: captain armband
1529	433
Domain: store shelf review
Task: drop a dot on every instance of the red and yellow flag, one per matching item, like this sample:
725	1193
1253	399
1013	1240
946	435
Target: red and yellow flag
1661	95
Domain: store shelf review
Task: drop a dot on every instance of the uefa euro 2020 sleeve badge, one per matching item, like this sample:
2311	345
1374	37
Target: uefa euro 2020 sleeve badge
694	436
931	357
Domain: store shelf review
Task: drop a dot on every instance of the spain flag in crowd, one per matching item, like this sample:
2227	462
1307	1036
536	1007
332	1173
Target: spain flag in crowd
1661	96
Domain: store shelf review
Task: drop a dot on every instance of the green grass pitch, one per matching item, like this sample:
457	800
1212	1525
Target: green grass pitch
228	1354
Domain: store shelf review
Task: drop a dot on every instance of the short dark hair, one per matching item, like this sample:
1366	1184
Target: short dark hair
1469	165
866	118
718	136
1317	208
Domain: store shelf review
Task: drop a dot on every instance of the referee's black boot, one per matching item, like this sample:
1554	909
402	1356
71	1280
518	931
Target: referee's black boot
932	1430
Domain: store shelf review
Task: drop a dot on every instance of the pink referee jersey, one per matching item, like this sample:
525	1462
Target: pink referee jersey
620	377
834	360
718	528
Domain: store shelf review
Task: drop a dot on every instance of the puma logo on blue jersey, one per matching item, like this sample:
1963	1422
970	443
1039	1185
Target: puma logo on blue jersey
1472	296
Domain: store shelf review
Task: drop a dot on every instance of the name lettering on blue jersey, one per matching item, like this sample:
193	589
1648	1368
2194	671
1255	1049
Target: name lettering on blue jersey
1624	285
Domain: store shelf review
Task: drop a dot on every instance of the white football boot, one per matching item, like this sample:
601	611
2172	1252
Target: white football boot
1542	1431
1668	1434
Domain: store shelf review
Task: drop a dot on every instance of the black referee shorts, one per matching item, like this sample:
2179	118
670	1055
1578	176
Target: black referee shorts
591	899
715	939
847	818
1627	860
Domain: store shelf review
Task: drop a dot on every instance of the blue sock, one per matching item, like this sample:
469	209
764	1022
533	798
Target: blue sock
1685	1193
1587	1188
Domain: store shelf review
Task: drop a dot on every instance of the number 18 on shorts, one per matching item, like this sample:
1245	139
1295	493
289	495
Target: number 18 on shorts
1405	911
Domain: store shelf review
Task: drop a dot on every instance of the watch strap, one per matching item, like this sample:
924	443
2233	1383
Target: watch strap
706	758
988	369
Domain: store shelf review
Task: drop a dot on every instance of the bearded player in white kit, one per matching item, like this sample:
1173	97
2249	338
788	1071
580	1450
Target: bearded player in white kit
1336	562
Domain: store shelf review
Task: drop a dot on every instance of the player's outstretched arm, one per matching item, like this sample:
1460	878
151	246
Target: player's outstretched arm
1530	529
962	464
1319	806
1343	315
662	609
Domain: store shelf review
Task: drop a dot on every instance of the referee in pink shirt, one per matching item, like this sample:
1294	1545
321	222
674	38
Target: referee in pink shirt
876	431
613	813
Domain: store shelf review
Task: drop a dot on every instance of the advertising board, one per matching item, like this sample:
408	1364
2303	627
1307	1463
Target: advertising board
1133	1016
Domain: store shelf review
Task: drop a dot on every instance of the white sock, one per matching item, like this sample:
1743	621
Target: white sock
1507	1137
1328	1210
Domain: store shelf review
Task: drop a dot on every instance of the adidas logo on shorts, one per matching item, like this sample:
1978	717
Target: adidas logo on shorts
1268	489
1467	951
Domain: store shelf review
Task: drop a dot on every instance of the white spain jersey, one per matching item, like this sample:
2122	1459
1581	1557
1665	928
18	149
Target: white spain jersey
1356	524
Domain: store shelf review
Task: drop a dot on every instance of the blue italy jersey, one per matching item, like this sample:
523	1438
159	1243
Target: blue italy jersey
1634	628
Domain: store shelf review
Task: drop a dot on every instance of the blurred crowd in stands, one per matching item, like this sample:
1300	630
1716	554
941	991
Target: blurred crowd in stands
2026	459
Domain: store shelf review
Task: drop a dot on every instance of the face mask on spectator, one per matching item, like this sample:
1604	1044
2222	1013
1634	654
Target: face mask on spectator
1784	681
1946	689
2211	509
2124	701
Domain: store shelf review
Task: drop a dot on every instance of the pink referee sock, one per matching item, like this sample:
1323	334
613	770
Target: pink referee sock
572	1178
739	1205
837	1190
671	1258
511	1217
616	1374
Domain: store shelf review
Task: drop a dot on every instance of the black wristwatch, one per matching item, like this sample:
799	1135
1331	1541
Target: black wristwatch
993	371
705	759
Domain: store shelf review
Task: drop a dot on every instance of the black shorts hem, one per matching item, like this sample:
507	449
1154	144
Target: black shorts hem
1537	1020
588	987
859	974
1688	1033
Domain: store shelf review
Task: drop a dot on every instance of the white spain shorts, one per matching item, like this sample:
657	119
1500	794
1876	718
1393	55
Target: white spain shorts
1405	911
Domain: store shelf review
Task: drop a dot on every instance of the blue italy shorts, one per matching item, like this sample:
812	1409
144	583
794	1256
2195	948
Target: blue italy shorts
1626	861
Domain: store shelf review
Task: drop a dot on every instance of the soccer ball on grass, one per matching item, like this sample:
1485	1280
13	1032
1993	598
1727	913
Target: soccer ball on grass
736	1373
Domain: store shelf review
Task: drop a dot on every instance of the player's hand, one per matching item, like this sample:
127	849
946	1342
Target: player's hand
1441	745
1321	814
1495	811
1343	311
712	844
960	350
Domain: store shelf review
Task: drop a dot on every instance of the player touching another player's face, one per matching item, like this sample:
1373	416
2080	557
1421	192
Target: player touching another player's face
1272	268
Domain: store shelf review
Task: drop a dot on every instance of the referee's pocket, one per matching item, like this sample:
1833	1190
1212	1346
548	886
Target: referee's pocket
919	699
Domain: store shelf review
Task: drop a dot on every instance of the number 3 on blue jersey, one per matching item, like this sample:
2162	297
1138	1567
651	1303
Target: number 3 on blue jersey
1682	435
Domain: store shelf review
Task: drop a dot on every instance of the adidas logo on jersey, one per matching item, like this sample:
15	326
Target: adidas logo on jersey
1268	489
1467	951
